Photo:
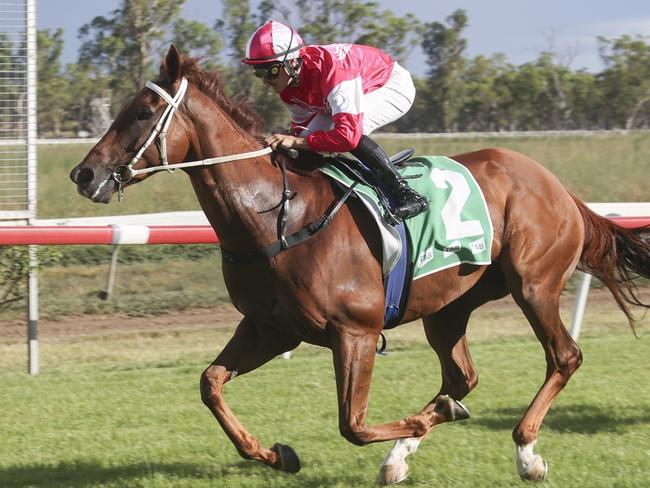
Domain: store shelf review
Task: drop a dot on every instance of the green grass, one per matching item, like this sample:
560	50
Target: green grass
599	168
140	421
58	197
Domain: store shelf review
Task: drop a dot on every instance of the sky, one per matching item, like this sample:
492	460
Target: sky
521	29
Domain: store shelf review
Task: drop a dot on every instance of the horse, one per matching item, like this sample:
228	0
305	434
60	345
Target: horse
329	289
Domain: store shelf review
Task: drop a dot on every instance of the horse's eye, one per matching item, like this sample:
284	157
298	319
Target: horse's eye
145	113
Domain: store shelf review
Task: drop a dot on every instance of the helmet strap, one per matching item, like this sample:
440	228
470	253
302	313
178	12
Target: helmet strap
293	71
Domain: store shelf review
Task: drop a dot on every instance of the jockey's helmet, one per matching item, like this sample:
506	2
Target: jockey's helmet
273	42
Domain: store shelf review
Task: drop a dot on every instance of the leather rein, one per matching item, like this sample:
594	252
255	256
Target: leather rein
125	173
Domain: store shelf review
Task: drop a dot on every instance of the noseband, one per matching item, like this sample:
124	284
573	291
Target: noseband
125	173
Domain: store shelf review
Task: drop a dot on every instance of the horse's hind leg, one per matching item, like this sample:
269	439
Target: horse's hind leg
540	302
251	346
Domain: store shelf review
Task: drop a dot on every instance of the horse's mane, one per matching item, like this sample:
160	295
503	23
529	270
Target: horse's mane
211	84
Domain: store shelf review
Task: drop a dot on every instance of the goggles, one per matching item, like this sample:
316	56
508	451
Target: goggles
268	72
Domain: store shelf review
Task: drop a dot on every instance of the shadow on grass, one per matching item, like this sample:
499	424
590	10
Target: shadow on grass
581	418
78	474
88	473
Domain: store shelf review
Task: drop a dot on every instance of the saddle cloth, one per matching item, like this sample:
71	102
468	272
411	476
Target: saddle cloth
455	229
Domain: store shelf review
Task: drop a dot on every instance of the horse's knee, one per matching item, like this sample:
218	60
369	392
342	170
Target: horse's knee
212	381
354	433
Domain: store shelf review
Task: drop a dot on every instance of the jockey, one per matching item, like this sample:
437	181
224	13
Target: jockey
336	95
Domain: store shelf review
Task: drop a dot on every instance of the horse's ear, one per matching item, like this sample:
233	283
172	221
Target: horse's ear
171	65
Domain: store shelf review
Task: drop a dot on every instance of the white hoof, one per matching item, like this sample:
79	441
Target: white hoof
531	466
393	468
537	471
389	474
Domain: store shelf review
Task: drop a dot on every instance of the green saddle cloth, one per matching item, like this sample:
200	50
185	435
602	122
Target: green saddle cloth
455	229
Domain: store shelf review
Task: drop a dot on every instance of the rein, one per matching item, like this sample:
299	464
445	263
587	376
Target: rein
125	173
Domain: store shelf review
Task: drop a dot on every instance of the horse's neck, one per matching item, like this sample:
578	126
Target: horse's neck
237	196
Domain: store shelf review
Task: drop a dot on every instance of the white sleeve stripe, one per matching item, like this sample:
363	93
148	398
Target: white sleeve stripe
347	97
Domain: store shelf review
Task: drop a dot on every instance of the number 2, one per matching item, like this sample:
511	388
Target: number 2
455	228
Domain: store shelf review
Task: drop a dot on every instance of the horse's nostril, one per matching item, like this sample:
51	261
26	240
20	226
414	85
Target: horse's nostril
84	176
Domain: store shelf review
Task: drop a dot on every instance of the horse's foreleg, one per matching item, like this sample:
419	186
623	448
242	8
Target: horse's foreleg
354	359
251	346
445	332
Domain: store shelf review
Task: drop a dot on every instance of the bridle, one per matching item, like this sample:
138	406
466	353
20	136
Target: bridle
125	173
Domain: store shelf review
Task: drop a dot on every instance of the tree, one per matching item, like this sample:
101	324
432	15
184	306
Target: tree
121	45
54	94
236	26
332	21
486	97
625	82
199	40
444	47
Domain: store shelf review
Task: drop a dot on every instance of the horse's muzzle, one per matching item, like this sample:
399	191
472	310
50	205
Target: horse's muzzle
98	188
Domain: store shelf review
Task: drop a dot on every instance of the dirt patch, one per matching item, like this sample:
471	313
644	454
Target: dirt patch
226	316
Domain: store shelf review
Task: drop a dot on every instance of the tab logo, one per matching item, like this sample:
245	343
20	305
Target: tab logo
425	257
452	248
477	246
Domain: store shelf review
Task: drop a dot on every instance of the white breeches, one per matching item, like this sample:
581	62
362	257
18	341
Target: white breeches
380	107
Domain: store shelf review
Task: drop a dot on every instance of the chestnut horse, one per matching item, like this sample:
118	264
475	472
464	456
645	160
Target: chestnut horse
329	290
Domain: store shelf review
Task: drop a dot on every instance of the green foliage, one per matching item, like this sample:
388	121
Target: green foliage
54	90
14	270
197	39
123	44
332	21
625	83
444	47
14	265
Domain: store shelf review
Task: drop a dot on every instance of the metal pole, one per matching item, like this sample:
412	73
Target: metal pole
580	304
32	299
110	281
32	312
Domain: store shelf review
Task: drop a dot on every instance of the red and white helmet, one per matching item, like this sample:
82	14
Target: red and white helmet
274	41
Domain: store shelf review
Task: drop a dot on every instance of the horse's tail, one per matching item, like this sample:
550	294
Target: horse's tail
616	256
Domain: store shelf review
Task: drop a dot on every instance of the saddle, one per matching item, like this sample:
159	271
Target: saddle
356	170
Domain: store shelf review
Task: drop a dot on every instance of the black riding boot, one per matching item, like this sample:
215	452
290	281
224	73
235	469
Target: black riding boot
408	202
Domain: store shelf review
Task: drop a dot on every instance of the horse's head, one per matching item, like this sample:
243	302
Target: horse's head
151	116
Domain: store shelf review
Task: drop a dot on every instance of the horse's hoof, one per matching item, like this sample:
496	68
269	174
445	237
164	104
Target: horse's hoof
389	474
537	471
289	460
451	409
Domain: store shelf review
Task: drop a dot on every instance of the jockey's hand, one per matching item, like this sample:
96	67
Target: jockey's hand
286	140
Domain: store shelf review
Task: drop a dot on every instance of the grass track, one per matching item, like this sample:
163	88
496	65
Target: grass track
142	424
